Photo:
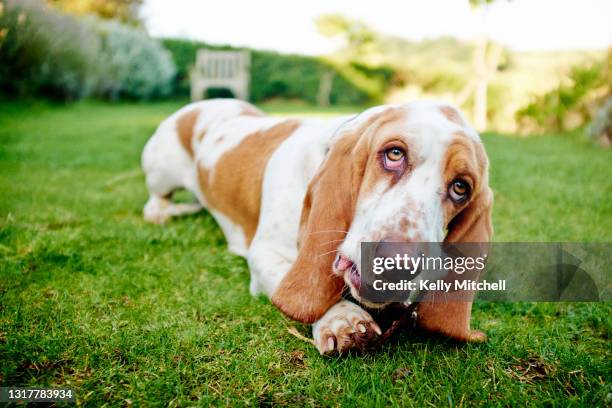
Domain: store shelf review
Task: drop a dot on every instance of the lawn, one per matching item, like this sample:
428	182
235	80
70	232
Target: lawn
93	298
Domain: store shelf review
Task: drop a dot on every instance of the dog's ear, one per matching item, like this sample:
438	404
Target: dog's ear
310	287
452	318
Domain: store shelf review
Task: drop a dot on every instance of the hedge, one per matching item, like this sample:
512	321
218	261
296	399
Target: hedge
275	75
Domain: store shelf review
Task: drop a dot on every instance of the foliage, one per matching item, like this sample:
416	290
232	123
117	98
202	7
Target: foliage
123	10
128	313
357	36
443	68
45	52
135	66
183	54
572	103
275	75
436	68
361	57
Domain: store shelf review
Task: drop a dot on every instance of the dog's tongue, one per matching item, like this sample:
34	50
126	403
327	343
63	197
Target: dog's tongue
342	263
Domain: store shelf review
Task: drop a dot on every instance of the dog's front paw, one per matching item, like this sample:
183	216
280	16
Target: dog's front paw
345	326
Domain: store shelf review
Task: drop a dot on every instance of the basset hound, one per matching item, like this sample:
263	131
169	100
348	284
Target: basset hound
297	197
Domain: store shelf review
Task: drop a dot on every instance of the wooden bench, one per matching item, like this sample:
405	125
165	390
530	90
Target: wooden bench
221	69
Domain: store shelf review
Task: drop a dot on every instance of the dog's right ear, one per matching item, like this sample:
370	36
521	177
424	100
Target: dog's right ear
310	287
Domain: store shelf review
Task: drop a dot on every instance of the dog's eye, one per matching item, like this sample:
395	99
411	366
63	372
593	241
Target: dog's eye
459	191
394	158
394	154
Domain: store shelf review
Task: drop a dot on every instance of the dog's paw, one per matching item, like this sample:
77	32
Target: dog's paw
476	336
155	211
156	218
345	326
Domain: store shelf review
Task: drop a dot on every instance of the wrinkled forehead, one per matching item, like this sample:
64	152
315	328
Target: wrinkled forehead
425	127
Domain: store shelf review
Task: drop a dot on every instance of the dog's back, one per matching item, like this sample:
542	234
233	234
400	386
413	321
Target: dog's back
219	150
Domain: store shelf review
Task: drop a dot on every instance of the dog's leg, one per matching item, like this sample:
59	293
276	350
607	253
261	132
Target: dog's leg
268	262
168	168
160	209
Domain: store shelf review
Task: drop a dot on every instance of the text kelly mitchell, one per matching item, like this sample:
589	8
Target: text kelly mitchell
440	285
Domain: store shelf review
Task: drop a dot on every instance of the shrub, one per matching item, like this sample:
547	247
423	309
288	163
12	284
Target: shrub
48	53
275	75
44	52
135	66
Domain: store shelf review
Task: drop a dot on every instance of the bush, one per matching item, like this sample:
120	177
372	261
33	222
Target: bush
135	66
48	53
43	52
573	103
274	75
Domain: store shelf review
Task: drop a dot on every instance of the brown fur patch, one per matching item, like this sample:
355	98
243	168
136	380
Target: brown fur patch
452	115
185	127
235	187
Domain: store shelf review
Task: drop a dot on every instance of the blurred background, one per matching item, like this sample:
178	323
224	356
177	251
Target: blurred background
521	67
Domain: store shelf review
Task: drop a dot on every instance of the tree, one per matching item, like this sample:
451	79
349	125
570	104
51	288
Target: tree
123	10
486	59
360	41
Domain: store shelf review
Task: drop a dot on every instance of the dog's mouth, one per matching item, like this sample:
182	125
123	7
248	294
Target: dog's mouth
345	267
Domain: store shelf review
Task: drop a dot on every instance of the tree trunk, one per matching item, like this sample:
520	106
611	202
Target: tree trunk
325	87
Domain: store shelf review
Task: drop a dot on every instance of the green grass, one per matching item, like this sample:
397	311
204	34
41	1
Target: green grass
93	298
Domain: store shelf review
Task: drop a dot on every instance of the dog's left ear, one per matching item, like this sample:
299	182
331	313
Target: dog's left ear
310	287
452	318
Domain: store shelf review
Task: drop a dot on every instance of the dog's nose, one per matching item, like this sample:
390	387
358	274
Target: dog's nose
396	243
394	237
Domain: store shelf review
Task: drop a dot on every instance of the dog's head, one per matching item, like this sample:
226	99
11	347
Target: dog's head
410	173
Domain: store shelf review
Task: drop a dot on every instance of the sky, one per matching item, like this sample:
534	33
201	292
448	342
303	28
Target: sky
288	26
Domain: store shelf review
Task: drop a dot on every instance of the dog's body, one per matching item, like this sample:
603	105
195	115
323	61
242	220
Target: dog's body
260	214
290	194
